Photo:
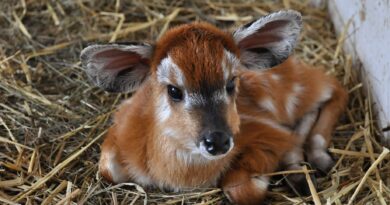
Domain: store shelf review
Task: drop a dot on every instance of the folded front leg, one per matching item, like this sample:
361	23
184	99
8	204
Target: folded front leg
110	164
261	146
242	187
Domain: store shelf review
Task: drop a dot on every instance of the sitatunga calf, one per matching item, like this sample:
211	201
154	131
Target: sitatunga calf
207	112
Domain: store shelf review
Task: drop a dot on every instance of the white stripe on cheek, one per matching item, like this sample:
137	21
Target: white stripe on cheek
163	109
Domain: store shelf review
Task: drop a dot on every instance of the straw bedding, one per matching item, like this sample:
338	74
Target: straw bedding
52	119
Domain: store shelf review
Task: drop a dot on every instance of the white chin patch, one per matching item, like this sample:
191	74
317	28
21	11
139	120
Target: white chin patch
207	155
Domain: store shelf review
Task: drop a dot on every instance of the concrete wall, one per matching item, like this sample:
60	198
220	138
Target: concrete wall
369	42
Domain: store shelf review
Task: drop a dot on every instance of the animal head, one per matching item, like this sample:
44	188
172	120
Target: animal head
193	71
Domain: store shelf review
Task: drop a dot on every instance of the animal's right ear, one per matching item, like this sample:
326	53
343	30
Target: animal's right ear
269	40
117	67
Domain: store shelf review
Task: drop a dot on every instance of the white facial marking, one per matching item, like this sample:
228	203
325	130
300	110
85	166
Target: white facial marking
229	64
168	67
163	108
261	182
220	96
268	105
192	157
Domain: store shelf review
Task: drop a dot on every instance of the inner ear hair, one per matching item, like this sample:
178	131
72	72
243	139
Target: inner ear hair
117	67
269	40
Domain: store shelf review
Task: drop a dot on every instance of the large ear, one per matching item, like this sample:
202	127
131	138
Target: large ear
269	40
117	67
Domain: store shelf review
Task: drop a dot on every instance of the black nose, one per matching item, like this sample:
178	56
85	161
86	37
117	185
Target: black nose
217	143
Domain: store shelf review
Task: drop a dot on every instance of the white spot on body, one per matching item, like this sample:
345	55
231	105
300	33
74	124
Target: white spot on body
261	182
291	103
293	100
268	122
297	88
268	105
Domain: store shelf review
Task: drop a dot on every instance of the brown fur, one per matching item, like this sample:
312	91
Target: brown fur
191	46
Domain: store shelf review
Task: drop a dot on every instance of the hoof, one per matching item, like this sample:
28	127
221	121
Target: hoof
298	184
251	192
322	162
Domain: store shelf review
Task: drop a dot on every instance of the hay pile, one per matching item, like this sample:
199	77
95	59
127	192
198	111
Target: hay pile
52	120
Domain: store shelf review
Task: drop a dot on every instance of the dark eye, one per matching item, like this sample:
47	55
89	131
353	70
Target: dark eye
175	93
230	86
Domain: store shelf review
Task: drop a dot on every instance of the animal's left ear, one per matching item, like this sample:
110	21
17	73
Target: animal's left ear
268	41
